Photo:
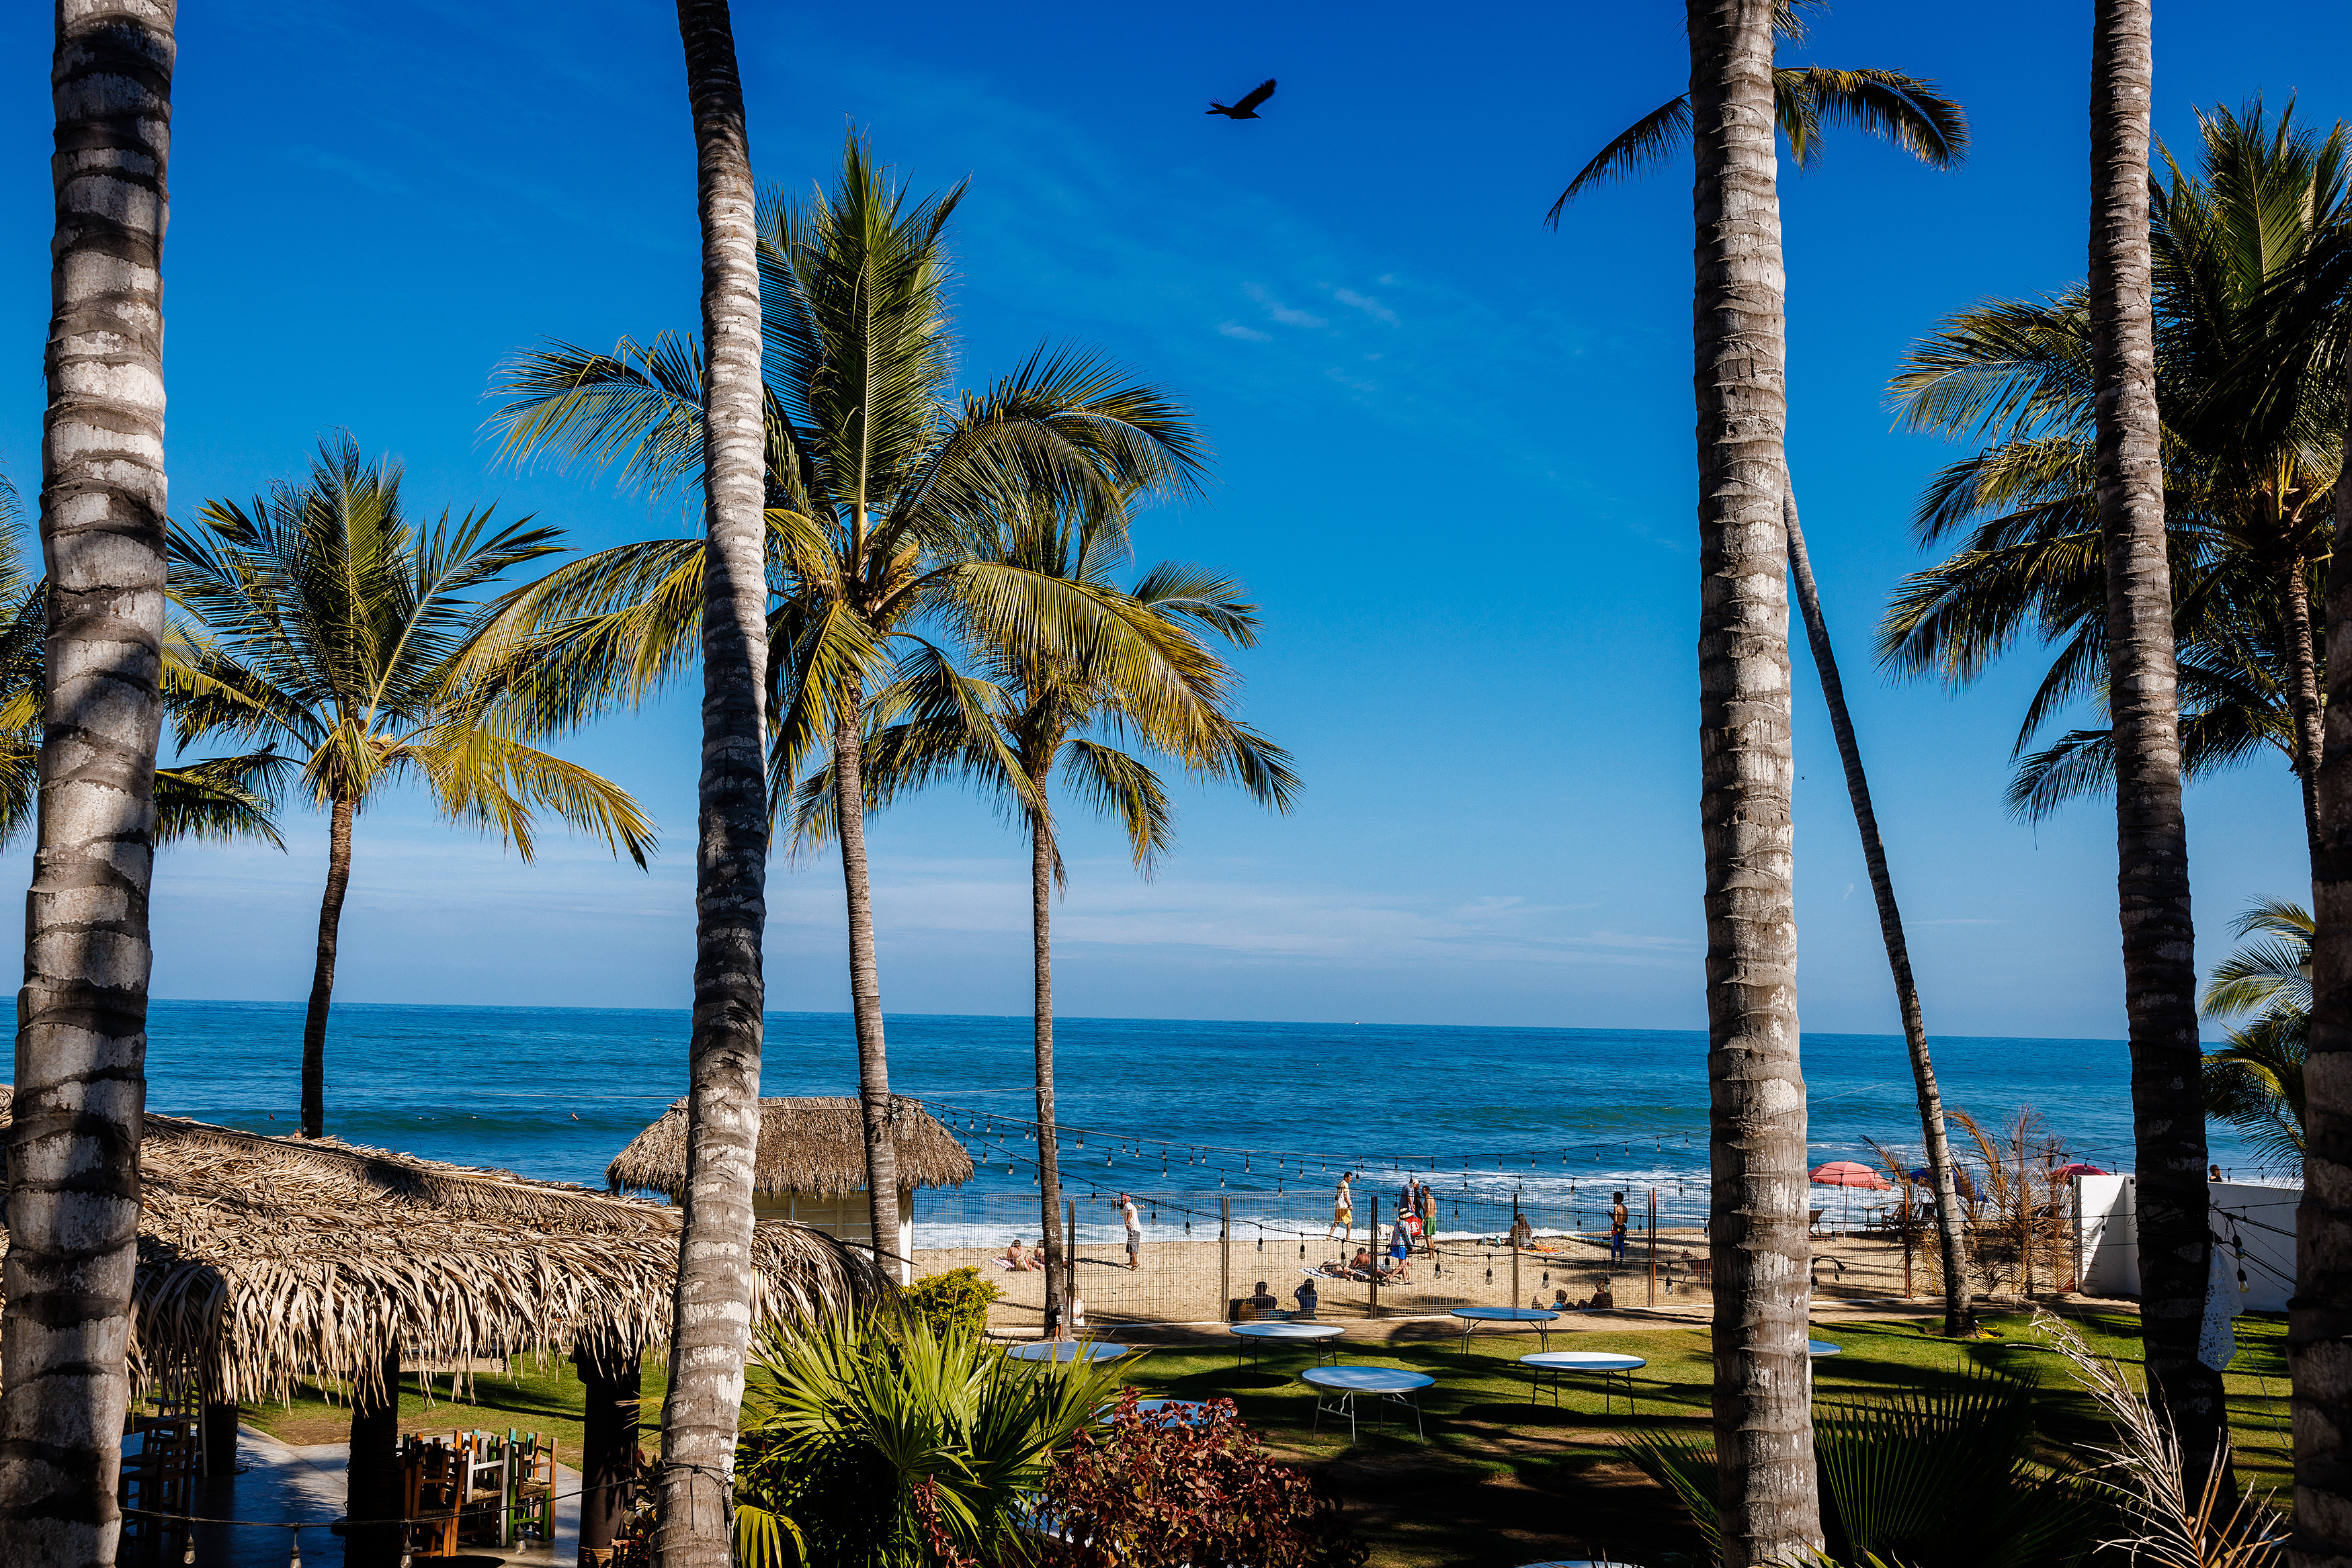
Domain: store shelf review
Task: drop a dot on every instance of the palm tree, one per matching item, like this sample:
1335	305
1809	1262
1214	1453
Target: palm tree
2256	1082
328	624
1770	1504
710	1320
1031	710
72	1147
219	799
2151	837
1911	113
881	488
2245	474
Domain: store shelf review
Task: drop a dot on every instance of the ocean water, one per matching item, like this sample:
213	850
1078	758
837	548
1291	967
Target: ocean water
1190	1115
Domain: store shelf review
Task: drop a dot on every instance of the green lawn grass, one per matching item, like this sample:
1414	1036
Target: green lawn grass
1500	1480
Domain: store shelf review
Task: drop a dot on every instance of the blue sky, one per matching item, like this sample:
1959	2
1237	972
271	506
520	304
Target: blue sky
1454	462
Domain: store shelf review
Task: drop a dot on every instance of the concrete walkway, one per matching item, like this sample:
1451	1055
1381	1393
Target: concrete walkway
276	1483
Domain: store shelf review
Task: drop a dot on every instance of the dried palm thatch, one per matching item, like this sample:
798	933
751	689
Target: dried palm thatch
264	1260
813	1147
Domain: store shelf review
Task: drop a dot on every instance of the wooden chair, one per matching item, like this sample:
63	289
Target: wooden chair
530	1487
429	1484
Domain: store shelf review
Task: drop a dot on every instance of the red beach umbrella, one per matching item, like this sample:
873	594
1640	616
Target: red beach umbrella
2079	1168
1850	1173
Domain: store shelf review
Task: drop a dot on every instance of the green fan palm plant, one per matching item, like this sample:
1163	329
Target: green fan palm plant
2255	1082
329	625
883	486
2246	484
1151	682
857	1428
1911	113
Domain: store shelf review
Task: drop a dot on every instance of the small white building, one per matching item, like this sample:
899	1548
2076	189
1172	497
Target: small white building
2259	1216
810	1165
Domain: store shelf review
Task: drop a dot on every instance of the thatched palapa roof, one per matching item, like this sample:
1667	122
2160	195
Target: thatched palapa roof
264	1260
812	1147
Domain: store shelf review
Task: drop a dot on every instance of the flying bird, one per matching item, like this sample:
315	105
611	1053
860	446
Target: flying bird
1247	108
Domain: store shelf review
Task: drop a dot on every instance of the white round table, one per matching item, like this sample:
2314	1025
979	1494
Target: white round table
1068	1350
1820	1347
1471	1317
1607	1364
1255	1337
1337	1387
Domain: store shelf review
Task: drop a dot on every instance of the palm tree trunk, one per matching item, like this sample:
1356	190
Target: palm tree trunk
2151	838
2319	1314
371	1472
865	993
1957	1318
711	1319
1770	1511
323	972
73	1143
1041	929
2303	694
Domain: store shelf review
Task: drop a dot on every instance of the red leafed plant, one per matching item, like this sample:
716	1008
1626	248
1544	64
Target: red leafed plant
1160	1489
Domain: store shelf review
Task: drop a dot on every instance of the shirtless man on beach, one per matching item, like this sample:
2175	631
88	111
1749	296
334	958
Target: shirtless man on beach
1618	1220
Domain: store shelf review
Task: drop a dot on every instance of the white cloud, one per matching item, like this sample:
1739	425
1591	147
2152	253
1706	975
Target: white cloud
1277	310
1365	303
1246	334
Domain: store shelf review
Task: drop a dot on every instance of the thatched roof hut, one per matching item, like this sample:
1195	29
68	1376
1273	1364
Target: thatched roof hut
809	1147
266	1261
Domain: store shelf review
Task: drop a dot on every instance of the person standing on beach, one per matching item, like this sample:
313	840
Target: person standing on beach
1134	1231
1343	1210
1618	1220
1428	1220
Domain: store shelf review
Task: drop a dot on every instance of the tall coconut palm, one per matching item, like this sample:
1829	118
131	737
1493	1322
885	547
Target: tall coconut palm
710	1320
2151	836
880	487
1914	115
2245	470
2255	1082
1151	681
217	798
2319	1315
1770	1509
329	626
72	1146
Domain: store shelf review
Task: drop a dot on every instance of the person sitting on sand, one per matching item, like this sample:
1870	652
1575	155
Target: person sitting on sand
1016	1257
1601	1301
1263	1299
1359	1267
1521	1232
1559	1303
1306	1298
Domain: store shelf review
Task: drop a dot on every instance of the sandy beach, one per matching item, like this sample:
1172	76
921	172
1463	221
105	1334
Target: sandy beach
1187	1281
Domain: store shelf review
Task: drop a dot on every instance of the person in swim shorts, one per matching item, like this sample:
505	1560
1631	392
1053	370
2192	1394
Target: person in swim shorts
1618	1219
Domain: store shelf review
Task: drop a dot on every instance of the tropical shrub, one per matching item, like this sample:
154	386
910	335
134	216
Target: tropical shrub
890	1445
1161	1489
954	1301
1941	1478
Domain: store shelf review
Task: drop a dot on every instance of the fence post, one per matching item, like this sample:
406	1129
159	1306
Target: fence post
1374	1310
1225	1256
1069	1260
1515	1254
1654	1247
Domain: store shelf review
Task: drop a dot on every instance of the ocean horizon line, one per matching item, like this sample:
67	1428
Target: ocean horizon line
297	1003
